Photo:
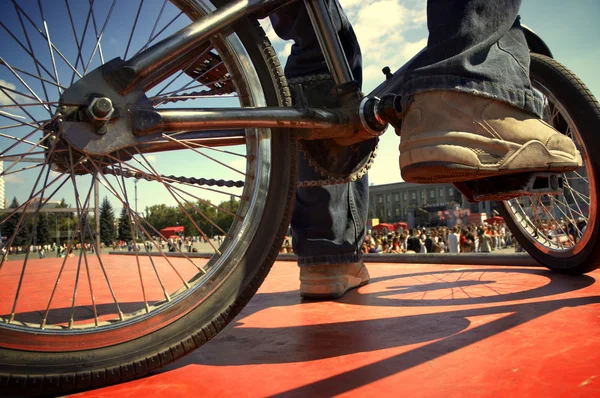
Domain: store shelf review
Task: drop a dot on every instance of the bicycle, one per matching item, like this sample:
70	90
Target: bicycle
84	320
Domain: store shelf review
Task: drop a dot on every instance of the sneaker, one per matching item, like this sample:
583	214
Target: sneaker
331	281
450	136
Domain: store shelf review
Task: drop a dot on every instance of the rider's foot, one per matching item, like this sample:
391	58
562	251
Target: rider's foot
449	136
331	281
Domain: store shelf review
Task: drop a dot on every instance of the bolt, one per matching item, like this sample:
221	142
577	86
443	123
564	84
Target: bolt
102	107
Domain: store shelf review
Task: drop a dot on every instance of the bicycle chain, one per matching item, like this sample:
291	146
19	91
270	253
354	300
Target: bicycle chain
185	180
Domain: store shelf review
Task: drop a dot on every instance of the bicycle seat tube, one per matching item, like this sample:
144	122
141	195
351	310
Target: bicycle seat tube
329	42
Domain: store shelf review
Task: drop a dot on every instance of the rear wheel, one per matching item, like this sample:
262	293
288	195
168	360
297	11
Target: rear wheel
562	232
89	318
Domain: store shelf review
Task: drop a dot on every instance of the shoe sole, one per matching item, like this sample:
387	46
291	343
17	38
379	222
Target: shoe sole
531	157
327	290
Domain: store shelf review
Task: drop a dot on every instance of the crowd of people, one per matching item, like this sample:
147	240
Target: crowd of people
174	243
459	239
484	238
61	249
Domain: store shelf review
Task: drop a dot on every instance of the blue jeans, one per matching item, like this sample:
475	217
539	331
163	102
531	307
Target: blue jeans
475	46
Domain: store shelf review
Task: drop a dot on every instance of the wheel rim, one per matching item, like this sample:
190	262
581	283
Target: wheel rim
537	215
82	304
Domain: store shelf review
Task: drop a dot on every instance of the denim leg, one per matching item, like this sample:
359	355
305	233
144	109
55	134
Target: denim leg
475	46
291	22
328	223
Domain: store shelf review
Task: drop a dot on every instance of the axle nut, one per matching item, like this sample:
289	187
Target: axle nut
100	109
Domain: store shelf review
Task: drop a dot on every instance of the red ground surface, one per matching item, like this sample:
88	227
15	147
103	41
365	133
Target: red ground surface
414	331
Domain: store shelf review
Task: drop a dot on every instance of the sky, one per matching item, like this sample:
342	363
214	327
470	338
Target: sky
390	32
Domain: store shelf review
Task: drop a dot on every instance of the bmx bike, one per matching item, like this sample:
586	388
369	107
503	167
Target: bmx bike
198	114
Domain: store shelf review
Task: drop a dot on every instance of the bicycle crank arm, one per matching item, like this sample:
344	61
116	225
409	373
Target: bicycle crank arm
509	187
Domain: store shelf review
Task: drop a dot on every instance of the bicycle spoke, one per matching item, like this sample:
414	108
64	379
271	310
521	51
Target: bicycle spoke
80	43
182	208
155	25
150	176
82	212
45	38
586	199
203	154
182	71
112	190
137	257
24	139
17	160
31	49
35	60
16	104
24	84
96	32
49	46
186	85
17	228
99	38
4	174
158	34
135	21
169	94
41	79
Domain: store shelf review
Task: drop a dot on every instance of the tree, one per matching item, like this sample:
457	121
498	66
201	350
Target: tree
43	229
107	223
9	226
225	215
124	232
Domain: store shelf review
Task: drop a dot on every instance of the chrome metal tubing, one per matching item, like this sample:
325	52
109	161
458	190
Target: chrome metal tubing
170	54
329	41
151	121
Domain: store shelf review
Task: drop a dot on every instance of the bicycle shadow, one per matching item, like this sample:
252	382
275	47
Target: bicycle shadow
446	330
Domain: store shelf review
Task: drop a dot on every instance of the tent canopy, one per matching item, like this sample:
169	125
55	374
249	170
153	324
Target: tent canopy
400	225
383	227
170	231
494	220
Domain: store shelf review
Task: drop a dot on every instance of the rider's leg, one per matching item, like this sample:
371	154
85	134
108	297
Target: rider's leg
329	222
471	111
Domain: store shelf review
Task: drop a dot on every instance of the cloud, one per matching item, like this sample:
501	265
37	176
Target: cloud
4	95
285	52
13	179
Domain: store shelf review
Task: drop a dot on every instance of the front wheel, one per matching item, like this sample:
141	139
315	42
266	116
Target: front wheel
562	232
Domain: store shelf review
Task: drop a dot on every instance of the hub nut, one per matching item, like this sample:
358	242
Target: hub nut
100	109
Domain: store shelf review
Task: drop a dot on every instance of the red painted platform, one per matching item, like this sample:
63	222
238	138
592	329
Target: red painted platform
414	331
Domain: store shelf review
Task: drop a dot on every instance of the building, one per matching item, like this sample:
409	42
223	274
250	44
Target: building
421	204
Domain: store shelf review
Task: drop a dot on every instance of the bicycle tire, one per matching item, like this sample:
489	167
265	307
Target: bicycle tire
577	106
26	372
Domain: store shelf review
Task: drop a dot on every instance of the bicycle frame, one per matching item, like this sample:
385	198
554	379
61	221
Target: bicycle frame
166	57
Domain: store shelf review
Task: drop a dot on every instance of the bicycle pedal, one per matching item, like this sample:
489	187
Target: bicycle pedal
513	186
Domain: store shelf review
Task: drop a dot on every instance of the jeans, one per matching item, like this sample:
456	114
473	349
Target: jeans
474	46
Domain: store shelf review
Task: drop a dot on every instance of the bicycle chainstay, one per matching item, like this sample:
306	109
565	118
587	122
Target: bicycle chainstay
228	89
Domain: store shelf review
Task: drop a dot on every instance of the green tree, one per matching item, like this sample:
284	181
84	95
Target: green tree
226	212
43	229
9	226
108	232
124	232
